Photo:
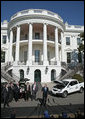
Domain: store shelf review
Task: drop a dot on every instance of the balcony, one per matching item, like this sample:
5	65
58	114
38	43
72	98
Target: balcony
37	11
37	63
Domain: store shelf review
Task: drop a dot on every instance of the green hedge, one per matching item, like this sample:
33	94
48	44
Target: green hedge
78	77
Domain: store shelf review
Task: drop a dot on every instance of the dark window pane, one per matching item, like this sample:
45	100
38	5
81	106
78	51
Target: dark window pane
78	41
4	39
68	57
37	35
37	56
2	56
67	40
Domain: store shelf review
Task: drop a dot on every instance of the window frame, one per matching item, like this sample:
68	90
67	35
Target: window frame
69	58
67	43
4	40
78	41
37	56
37	35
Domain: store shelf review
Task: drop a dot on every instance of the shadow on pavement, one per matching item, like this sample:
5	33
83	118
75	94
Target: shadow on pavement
39	110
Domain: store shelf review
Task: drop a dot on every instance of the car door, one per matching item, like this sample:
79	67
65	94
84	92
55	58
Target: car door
73	86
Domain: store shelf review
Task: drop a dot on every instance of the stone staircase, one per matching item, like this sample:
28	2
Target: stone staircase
71	71
5	75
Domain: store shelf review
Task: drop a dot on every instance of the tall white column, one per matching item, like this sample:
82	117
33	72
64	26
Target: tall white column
56	46
45	62
10	45
62	47
29	61
7	48
17	45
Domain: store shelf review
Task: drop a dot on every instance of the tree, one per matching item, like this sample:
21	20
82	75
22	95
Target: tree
81	47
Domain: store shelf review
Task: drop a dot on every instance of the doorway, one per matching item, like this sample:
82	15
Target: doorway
37	75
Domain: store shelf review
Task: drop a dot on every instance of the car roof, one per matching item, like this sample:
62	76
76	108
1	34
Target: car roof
69	80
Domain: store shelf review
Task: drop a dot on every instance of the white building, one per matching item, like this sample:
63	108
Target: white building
36	41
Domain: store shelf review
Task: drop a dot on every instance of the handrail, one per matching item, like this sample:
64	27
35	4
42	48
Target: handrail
5	74
71	72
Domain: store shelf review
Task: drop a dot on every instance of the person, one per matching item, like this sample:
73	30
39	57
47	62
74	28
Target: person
16	92
46	115
79	114
45	91
6	95
27	91
11	91
64	115
34	91
13	114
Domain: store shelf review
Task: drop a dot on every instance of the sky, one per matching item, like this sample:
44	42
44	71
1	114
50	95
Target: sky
70	11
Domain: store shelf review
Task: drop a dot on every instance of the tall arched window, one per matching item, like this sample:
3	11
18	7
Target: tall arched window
53	74
21	74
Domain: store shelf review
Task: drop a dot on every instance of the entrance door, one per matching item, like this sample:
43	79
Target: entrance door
37	75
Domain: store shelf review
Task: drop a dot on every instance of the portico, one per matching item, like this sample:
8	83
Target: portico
34	33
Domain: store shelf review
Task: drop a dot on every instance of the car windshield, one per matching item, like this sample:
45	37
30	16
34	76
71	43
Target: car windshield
65	82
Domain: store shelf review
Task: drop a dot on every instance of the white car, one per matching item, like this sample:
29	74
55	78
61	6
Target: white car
67	86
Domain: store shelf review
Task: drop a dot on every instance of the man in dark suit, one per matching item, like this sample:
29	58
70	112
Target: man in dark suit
11	91
16	92
45	91
6	95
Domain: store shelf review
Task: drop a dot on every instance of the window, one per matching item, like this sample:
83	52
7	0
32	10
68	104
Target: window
25	36
14	56
37	56
48	56
21	75
78	41
73	83
67	40
25	56
37	35
48	38
68	57
14	38
4	39
2	56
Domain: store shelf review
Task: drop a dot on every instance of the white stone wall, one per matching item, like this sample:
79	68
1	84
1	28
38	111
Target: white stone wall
45	77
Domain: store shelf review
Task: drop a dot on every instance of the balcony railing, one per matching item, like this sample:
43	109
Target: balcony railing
52	62
38	11
37	63
21	63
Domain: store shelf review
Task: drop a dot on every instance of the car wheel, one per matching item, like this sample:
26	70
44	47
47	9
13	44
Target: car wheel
65	93
81	90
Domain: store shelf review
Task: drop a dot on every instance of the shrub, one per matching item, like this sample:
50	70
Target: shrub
78	77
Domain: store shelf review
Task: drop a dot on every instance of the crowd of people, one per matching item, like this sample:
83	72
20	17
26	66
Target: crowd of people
12	91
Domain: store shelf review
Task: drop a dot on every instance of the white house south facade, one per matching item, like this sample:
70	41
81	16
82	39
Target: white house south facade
36	42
